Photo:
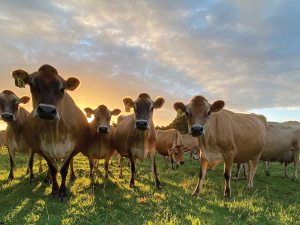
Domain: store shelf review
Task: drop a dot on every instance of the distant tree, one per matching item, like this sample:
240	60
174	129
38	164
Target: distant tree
179	123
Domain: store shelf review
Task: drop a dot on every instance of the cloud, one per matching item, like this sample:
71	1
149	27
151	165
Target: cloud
245	53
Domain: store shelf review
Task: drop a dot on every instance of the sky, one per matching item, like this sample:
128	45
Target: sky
246	53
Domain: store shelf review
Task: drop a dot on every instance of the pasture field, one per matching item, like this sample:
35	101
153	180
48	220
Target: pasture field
272	201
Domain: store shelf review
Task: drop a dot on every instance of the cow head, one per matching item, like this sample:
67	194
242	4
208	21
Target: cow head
47	90
143	109
198	112
9	105
177	154
102	117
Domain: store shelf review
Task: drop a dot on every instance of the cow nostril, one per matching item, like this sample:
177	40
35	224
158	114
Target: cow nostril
54	112
181	162
40	109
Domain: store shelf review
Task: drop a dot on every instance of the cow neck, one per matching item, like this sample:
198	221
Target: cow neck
16	126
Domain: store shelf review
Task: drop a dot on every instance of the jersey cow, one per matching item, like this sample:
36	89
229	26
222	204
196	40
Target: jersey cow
2	141
56	129
135	137
170	143
192	144
100	144
224	136
15	116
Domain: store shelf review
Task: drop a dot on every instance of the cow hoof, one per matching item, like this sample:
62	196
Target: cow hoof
244	178
131	185
159	187
294	179
106	177
41	170
195	194
53	194
27	172
10	178
250	188
283	177
228	198
120	176
73	177
62	197
32	180
235	178
47	181
267	174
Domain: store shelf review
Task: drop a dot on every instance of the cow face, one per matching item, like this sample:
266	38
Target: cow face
9	105
198	112
143	110
102	117
47	89
177	154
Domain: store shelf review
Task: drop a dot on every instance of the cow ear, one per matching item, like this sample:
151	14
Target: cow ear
180	105
185	149
21	78
128	104
217	106
72	83
115	112
159	102
24	100
89	112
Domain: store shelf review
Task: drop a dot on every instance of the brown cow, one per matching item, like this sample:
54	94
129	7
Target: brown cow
100	144
2	141
15	117
192	143
56	129
170	143
135	137
283	143
224	136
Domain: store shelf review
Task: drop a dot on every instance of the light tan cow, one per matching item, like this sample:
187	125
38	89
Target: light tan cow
283	143
170	143
100	144
15	116
192	143
224	136
135	137
2	141
56	129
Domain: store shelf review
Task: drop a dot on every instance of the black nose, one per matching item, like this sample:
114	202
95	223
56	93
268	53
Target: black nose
7	117
47	112
103	129
181	162
196	130
141	125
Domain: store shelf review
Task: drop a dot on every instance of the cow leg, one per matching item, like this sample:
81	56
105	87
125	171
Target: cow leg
227	175
238	169
72	174
106	162
252	172
28	170
245	171
171	158
91	162
111	160
48	177
40	166
203	168
128	163
191	153
285	171
164	157
296	161
131	184
12	159
153	168
121	160
53	170
266	168
30	165
135	172
62	194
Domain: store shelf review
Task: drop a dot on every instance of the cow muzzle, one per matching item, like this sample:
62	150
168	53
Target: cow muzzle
196	130
46	112
8	117
102	130
142	125
181	162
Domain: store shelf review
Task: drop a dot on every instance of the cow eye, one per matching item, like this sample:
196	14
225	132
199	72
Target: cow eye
151	110
187	114
31	85
62	90
176	153
209	112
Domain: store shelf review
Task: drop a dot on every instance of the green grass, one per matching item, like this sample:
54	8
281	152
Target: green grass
272	201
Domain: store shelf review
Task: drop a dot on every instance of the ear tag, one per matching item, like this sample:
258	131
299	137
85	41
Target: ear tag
20	83
88	115
180	113
127	107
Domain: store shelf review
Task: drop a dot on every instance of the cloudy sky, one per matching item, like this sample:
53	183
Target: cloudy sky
246	53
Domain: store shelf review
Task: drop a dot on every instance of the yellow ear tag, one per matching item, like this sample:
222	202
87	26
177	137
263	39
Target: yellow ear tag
21	83
88	115
127	107
180	113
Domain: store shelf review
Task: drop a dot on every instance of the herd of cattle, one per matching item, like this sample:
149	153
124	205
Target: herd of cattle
57	129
